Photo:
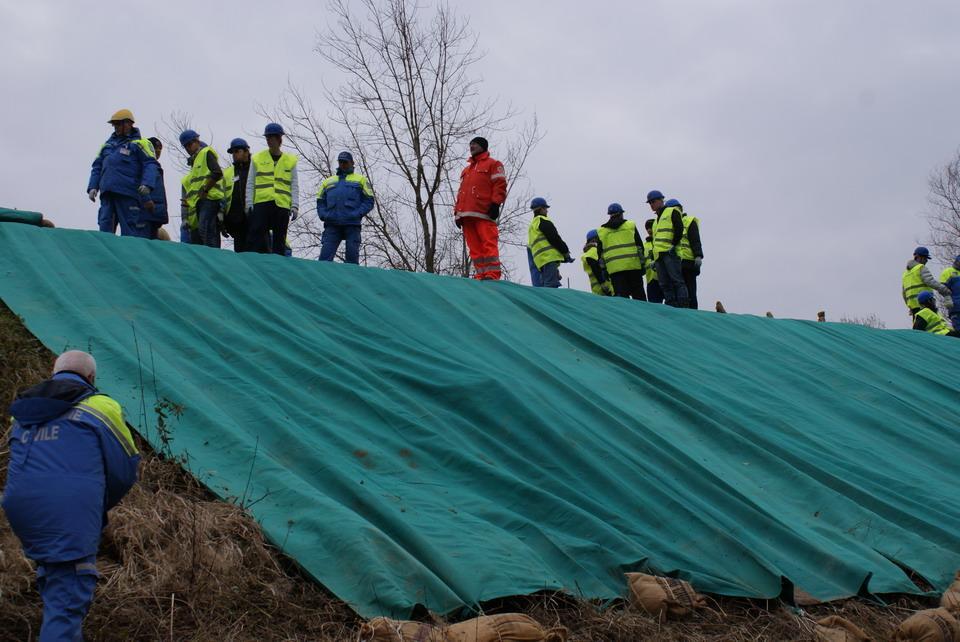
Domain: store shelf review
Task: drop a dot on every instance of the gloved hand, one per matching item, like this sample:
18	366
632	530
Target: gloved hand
698	261
143	190
567	258
294	213
149	206
92	195
494	211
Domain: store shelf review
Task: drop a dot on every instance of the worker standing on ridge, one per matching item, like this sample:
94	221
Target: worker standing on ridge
234	194
917	278
159	216
483	190
654	293
544	242
204	185
72	459
667	234
690	252
124	173
621	248
927	318
273	194
590	260
342	201
950	278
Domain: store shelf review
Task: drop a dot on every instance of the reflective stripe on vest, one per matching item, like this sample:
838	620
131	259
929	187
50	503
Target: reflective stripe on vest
543	252
620	251
663	232
199	173
935	323
110	414
273	179
651	268
595	286
685	251
913	285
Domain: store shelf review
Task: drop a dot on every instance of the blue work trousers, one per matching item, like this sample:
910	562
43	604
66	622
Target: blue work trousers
67	591
671	280
330	242
536	279
550	275
208	226
123	210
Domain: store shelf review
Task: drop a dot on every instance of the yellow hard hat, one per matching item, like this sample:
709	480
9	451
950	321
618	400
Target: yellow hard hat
123	114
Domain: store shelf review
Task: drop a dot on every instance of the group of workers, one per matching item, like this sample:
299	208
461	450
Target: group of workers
252	200
617	259
918	288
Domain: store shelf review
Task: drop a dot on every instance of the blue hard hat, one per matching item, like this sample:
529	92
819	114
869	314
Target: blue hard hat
592	234
273	129
922	251
925	297
237	143
673	203
538	202
188	135
344	156
614	208
654	195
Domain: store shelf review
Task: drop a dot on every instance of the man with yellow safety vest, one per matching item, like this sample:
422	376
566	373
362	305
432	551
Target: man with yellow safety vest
235	193
917	278
124	173
667	234
654	293
690	252
590	260
621	248
950	278
203	187
545	244
342	201
927	319
273	194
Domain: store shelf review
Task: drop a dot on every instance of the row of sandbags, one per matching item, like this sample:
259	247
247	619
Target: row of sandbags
508	627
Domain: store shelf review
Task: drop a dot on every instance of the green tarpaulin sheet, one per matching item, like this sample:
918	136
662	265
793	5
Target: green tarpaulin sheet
410	438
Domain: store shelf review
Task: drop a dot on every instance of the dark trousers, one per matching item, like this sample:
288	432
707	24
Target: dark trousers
628	283
550	275
690	272
536	279
654	293
208	226
267	217
671	280
331	238
236	226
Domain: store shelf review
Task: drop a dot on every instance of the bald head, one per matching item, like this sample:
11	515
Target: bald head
77	361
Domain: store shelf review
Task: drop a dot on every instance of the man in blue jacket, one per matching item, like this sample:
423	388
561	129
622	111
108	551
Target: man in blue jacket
342	202
124	173
72	458
159	216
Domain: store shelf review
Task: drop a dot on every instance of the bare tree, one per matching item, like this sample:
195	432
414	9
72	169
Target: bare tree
406	109
168	131
871	320
944	217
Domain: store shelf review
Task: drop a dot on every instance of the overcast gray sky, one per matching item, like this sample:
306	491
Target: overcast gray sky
801	133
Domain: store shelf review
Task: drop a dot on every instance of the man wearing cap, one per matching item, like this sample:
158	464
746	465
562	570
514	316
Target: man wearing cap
483	190
654	293
342	202
592	266
917	278
72	459
950	277
927	319
272	195
233	206
545	244
124	173
158	216
690	252
204	190
667	234
621	248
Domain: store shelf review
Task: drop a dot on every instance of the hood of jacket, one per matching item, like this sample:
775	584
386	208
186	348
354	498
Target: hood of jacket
912	263
50	399
615	223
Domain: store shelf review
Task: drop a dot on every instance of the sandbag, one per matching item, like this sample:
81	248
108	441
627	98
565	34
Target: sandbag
838	629
508	627
666	595
950	599
931	625
381	629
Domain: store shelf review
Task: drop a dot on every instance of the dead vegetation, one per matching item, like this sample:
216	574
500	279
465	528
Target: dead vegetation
177	564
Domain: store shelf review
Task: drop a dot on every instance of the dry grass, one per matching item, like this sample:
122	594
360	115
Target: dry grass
179	565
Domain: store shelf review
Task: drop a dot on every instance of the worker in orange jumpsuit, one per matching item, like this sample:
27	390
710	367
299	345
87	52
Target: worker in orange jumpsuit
483	189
